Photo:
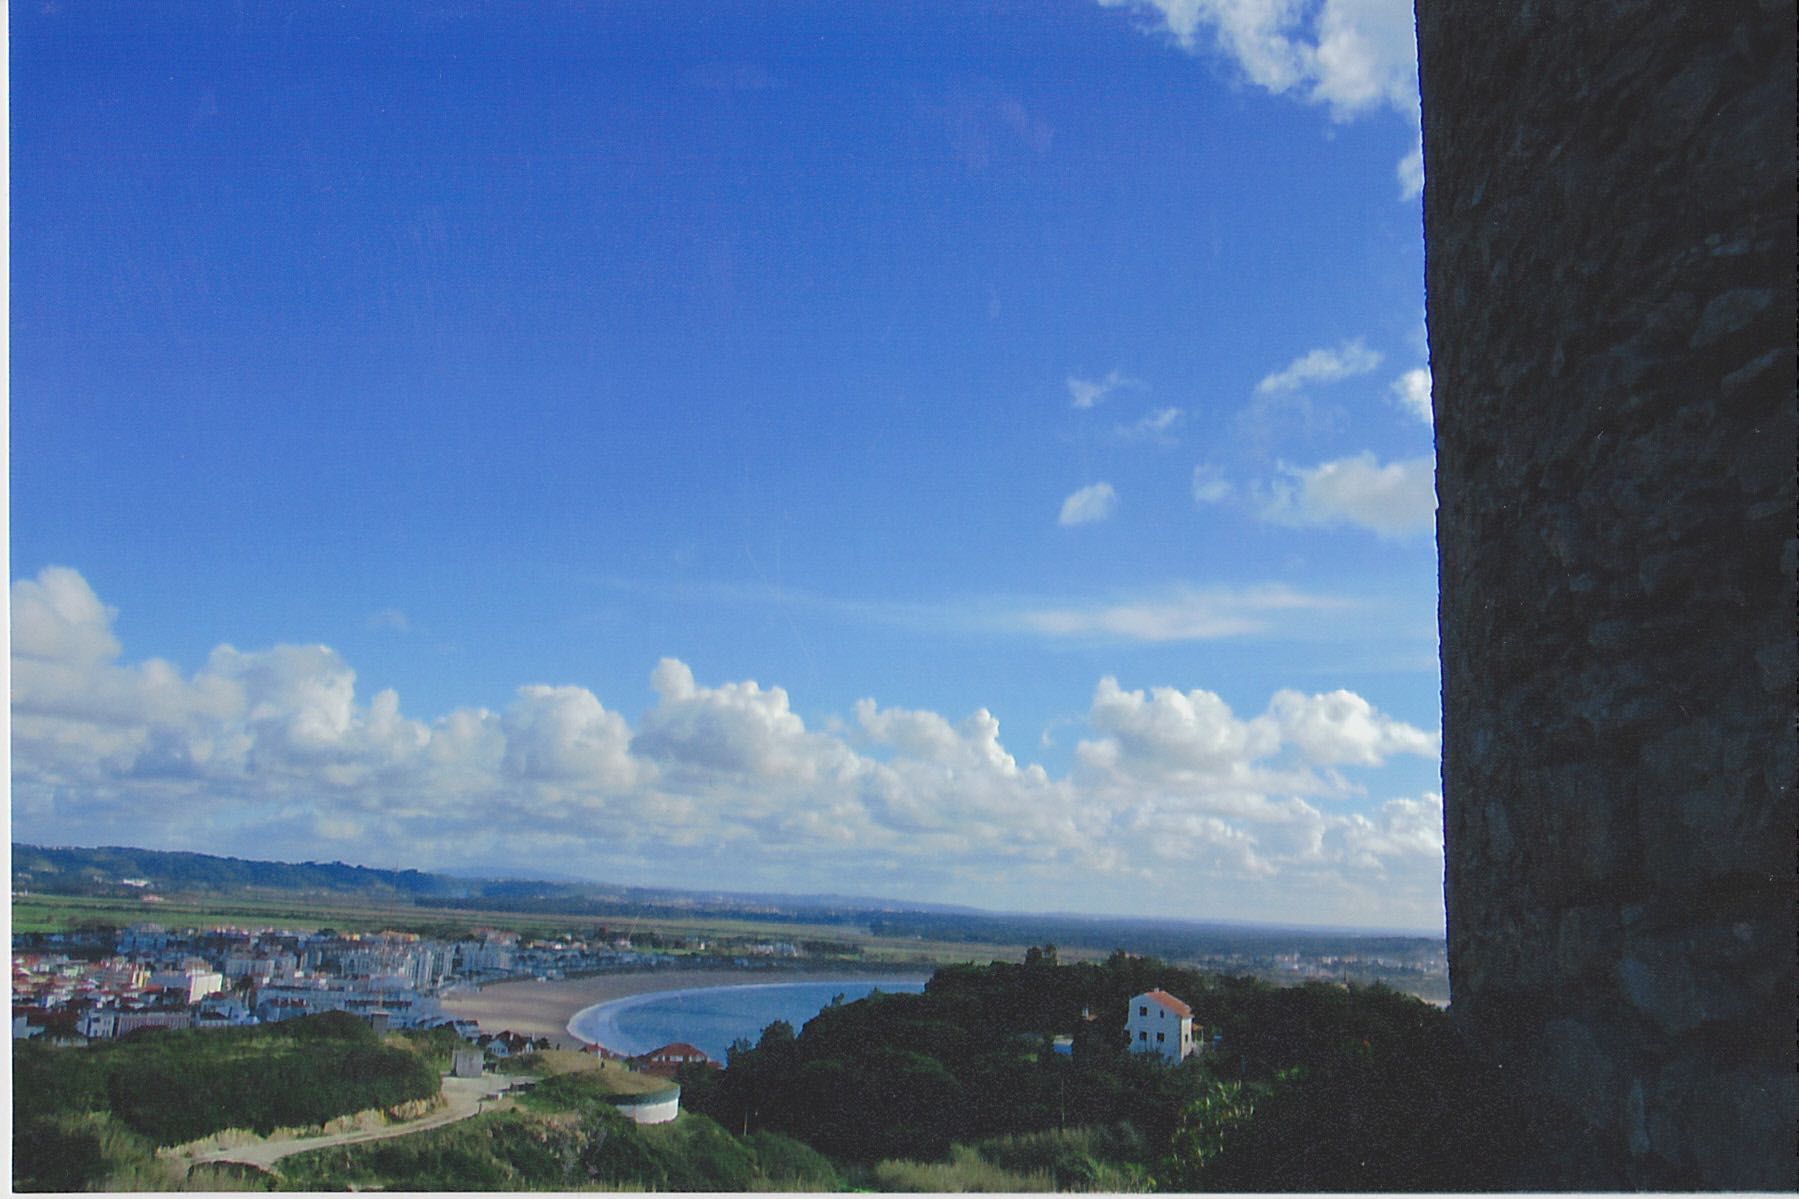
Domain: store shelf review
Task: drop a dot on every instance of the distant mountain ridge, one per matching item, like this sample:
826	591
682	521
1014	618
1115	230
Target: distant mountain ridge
104	869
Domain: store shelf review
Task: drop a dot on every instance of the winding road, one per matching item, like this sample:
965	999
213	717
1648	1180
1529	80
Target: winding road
463	1097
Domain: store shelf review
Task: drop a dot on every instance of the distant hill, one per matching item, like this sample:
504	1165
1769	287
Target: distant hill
124	871
104	872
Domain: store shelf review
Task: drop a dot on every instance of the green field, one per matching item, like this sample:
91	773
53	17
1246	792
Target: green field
38	913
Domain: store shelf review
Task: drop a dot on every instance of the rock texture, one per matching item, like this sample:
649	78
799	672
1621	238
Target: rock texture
1609	222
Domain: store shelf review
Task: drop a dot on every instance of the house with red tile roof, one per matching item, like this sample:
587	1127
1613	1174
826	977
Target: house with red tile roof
1159	1023
672	1057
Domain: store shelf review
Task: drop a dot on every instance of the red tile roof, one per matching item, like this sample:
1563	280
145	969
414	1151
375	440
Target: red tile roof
1168	1001
678	1049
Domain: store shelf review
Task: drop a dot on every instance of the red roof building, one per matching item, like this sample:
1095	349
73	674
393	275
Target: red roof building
1161	1024
671	1057
1168	1001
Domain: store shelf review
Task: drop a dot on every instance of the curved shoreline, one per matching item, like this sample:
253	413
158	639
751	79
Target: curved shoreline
544	1009
606	1011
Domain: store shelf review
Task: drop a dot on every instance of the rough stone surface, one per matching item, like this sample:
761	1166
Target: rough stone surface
1609	224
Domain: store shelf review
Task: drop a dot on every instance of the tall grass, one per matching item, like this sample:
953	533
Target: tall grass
965	1171
1106	1158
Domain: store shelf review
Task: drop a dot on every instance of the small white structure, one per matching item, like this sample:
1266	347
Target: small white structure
656	1107
1160	1023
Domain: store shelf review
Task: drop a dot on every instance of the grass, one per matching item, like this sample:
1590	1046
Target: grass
544	1145
590	1071
965	1171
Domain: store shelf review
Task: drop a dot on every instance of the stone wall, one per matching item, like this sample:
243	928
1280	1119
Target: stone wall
1609	221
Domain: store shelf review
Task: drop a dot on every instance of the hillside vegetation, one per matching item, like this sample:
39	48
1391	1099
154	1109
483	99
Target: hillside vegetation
82	1115
565	1134
1313	1087
1317	1087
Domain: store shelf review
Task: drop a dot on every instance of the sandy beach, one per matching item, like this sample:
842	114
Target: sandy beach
543	1009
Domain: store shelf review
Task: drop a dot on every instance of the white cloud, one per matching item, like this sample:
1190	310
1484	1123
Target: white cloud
1412	390
1209	484
1092	503
1403	830
565	735
391	620
1189	783
1345	361
1185	614
1352	56
734	728
1342	727
1410	171
1169	732
1394	500
1366	57
1153	427
271	753
58	618
1085	393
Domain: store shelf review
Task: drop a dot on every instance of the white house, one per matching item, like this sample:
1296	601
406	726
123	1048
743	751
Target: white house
194	983
1160	1023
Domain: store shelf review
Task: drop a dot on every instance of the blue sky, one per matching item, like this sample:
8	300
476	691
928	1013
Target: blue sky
976	452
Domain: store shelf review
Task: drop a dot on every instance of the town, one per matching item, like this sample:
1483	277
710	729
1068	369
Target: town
73	987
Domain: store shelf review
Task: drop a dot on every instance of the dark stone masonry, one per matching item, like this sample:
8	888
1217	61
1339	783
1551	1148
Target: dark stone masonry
1609	220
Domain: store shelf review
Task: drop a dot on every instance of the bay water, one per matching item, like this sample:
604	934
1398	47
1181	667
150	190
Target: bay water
710	1018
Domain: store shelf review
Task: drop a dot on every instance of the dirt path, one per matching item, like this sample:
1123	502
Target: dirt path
464	1097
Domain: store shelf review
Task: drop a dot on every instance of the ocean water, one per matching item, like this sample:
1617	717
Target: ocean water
712	1017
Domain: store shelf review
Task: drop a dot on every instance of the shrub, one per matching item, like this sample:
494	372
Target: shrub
73	1152
789	1165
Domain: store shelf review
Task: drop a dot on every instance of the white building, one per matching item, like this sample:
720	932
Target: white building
1160	1023
192	983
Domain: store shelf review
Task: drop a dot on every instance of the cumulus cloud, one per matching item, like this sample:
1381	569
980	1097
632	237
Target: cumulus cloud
1327	365
1085	393
565	735
1403	831
1170	731
736	728
1090	504
1412	391
57	618
1342	727
1394	500
272	752
1188	780
1353	57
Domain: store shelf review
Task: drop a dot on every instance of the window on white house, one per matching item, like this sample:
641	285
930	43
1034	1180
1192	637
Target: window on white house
1143	1011
1143	1036
1160	1037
